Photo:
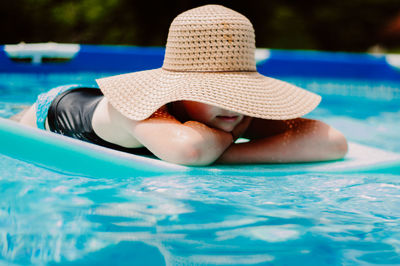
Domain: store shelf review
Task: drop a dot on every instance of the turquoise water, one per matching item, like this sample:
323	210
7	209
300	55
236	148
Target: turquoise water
312	219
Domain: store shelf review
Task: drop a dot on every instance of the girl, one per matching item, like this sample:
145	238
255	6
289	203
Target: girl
206	95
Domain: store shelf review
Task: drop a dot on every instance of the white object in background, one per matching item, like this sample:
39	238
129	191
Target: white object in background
38	51
262	54
393	60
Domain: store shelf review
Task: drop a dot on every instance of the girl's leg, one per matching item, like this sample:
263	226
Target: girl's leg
17	117
26	116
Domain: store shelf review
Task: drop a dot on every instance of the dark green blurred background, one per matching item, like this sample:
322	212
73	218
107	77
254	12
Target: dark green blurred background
335	25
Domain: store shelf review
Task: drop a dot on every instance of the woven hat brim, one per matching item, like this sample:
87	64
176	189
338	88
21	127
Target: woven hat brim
138	95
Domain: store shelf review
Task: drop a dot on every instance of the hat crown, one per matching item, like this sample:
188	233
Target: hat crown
210	38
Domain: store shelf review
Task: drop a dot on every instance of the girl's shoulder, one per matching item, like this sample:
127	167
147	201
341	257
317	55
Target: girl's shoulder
112	126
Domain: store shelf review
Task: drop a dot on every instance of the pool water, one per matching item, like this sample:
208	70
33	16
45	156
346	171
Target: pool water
51	218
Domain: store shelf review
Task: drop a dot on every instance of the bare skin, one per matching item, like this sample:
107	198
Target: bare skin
29	117
199	134
17	117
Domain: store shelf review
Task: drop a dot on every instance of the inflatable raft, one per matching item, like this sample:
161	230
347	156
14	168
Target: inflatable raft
71	156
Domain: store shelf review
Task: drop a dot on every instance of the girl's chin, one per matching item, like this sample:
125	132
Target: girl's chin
226	128
226	123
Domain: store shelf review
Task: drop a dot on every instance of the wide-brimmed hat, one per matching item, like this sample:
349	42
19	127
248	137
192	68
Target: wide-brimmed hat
209	58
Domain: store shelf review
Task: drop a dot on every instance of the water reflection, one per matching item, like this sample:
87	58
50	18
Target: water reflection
47	217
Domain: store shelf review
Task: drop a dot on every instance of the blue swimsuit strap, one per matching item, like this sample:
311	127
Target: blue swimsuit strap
44	101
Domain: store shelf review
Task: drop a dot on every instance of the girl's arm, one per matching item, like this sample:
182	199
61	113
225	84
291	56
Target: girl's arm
298	140
191	143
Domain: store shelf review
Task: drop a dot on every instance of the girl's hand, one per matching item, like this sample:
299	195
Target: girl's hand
241	127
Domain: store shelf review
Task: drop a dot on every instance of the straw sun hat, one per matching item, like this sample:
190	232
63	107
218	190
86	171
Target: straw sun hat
209	58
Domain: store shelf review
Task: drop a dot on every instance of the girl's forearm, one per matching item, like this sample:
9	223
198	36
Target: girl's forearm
191	143
311	142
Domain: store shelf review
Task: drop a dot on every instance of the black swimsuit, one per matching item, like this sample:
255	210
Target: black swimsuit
71	114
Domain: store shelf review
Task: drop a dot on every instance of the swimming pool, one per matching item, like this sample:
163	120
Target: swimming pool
48	217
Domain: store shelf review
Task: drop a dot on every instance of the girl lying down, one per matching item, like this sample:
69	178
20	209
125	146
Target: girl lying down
191	111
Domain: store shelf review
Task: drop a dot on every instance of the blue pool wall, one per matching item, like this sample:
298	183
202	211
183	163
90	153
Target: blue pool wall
279	63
